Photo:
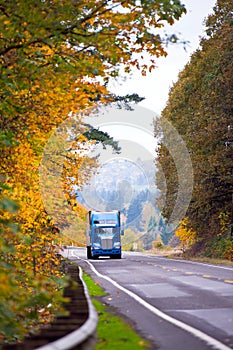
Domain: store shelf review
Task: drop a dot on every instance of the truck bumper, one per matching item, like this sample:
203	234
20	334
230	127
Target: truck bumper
106	252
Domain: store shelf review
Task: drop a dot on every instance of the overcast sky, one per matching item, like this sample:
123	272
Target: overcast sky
155	87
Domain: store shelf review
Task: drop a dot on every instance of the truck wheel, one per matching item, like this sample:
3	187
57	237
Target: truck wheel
89	253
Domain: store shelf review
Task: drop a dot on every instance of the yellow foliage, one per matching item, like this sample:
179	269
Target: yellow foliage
186	235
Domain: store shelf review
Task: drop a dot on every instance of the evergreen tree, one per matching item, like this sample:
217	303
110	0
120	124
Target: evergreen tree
151	234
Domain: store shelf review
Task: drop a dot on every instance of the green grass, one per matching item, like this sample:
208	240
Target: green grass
113	332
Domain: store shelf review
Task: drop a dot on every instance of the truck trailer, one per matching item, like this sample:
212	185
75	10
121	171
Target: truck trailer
104	234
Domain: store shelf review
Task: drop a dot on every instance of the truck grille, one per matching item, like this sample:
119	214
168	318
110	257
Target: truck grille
107	243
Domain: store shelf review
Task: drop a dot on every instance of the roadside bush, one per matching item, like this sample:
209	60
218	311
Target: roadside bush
220	247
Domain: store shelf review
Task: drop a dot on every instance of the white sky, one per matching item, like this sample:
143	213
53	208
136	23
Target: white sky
155	86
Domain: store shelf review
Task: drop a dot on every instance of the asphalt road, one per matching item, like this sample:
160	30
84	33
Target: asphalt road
176	305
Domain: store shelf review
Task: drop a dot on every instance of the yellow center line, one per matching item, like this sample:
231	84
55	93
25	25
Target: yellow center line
228	281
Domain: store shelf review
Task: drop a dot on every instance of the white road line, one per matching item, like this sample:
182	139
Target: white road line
197	333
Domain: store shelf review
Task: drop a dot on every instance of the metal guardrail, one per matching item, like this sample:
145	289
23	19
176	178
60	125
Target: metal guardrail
75	331
83	338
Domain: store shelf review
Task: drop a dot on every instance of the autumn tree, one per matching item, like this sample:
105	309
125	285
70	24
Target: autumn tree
200	109
185	234
56	58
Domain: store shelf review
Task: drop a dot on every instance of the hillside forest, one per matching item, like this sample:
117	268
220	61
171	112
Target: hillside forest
200	106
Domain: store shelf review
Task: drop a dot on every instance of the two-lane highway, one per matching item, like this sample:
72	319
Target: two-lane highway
174	304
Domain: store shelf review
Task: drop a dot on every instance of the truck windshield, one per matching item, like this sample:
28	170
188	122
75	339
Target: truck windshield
105	230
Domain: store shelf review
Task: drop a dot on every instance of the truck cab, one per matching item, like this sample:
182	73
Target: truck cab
104	234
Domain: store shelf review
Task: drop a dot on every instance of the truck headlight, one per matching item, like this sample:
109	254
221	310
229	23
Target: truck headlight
96	246
117	245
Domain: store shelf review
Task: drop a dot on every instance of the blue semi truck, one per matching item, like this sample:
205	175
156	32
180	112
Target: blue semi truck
104	234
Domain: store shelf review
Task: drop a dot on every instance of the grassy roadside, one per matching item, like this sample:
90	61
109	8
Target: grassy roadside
113	332
173	254
201	259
